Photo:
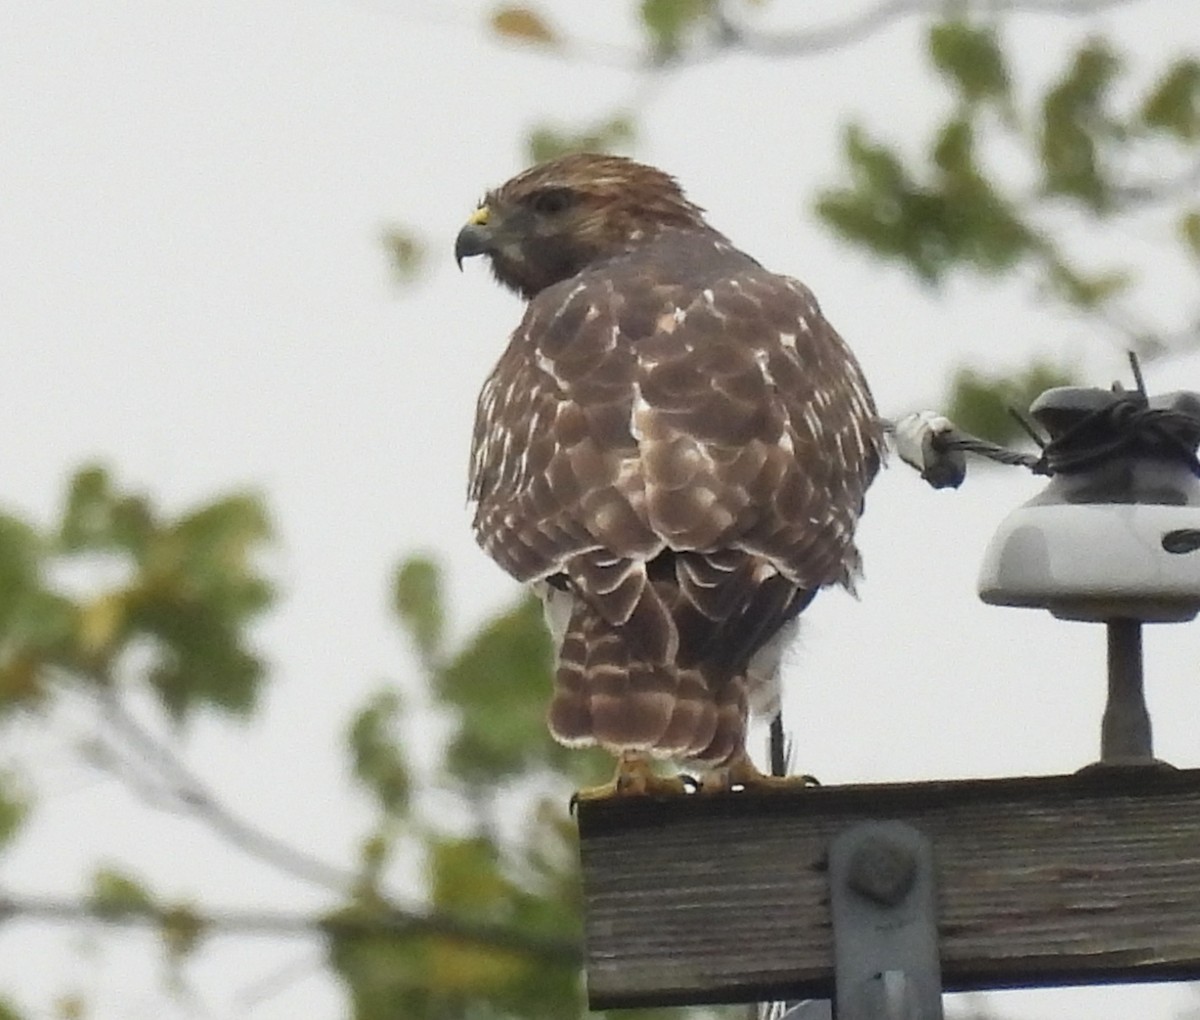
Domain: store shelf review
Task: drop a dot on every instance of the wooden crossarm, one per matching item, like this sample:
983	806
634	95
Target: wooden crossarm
1051	880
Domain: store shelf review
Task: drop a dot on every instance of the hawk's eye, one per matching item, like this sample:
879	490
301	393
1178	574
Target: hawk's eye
551	200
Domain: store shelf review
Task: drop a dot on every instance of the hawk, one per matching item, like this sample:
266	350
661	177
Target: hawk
672	451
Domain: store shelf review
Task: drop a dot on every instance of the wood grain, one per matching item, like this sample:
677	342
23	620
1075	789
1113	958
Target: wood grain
1088	878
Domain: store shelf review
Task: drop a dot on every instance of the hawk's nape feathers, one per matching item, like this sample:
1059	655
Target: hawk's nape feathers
673	449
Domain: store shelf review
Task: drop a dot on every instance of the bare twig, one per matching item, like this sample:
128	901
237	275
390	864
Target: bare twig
264	923
866	23
811	41
1133	197
280	980
192	797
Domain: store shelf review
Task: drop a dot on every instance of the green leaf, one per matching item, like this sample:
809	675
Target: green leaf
668	21
1173	105
406	253
71	1006
101	626
373	854
97	518
1076	127
115	894
956	219
417	599
616	134
954	150
1189	231
199	590
465	877
971	58
22	681
181	929
1085	290
37	626
387	978
979	403
87	518
406	975
500	683
213	547
200	661
522	24
8	1011
881	205
20	568
379	763
197	650
14	808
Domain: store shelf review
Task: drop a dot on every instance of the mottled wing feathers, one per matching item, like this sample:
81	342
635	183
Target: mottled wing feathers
679	442
628	416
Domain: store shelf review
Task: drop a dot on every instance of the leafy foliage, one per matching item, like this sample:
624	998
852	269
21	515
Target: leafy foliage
13	809
614	134
499	754
668	22
954	218
522	24
971	58
417	598
378	762
1173	105
1077	126
983	404
181	929
187	586
956	213
1189	231
407	253
115	893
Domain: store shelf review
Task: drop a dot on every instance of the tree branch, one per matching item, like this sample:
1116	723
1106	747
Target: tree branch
866	23
730	35
390	924
1135	196
190	796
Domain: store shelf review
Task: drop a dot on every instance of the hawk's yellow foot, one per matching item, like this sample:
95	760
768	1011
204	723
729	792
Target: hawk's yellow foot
742	775
635	777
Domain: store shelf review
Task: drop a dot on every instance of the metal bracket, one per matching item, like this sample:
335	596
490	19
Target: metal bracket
885	944
809	1009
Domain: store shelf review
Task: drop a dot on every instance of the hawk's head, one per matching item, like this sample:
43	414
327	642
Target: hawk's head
558	217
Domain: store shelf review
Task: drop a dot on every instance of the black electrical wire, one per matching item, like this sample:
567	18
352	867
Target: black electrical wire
1125	426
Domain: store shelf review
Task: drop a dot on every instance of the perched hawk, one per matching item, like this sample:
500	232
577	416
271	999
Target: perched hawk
672	451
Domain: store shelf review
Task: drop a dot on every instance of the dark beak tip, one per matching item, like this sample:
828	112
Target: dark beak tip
472	240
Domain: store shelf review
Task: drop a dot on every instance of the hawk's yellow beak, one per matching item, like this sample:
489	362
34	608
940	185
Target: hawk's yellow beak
474	238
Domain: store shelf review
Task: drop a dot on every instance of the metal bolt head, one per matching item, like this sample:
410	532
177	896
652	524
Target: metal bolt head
882	870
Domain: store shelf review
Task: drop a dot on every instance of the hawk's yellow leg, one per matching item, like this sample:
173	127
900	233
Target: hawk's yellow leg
635	777
741	774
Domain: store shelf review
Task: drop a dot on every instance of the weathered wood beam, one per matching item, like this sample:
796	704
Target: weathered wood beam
1089	878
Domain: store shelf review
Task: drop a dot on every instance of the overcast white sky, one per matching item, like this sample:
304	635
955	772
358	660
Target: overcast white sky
192	290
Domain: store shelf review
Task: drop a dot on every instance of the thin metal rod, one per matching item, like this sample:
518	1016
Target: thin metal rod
1125	729
778	746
